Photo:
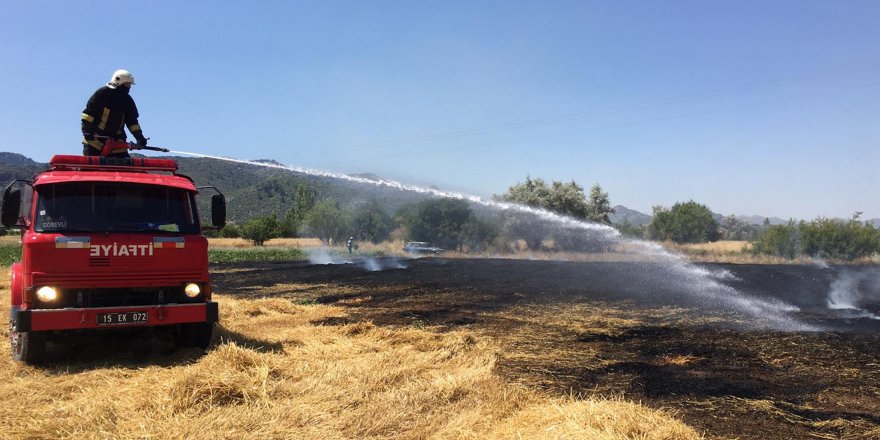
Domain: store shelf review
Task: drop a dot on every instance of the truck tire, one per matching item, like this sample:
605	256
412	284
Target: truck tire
194	335
27	347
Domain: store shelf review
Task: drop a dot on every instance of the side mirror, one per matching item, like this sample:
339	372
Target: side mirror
218	211
11	206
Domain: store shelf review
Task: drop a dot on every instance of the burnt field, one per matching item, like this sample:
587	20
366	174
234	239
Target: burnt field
626	329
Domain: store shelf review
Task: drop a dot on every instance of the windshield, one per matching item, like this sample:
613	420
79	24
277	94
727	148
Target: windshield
113	207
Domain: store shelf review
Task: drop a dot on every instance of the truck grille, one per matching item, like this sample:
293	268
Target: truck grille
79	298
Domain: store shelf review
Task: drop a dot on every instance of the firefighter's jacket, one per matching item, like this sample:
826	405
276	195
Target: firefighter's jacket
107	113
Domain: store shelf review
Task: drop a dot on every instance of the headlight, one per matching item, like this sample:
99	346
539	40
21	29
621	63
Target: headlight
192	290
47	294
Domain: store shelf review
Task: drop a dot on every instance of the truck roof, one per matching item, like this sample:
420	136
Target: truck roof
108	169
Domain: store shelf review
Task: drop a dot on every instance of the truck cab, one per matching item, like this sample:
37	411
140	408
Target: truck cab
109	243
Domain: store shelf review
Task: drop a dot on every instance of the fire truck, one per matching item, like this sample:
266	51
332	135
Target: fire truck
109	244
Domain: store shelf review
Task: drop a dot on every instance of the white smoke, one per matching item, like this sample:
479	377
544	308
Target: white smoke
852	290
372	264
323	255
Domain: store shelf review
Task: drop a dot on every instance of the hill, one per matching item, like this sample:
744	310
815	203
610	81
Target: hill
634	218
253	190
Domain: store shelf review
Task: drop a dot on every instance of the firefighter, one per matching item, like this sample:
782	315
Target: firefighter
108	112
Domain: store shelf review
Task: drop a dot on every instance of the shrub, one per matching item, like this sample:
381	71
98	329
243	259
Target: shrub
779	240
823	238
260	229
688	222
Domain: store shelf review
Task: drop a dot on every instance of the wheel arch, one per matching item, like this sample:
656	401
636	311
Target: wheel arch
16	285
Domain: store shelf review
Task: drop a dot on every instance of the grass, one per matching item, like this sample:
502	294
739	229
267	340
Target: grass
9	255
254	254
282	370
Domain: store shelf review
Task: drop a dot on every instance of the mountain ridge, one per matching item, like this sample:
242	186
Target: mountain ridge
253	190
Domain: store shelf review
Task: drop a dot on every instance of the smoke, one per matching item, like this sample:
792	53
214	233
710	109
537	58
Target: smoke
853	290
820	263
325	256
373	264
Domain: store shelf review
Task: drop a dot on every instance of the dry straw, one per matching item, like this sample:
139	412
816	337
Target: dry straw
282	370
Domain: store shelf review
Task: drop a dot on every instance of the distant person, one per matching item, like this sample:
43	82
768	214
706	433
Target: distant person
350	244
108	112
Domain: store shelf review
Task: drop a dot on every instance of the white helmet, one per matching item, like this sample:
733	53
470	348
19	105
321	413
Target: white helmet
119	78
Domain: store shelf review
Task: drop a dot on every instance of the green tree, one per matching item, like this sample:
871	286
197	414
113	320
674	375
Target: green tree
562	198
304	201
598	206
732	228
329	222
438	221
841	239
688	222
628	229
477	234
372	223
779	240
231	230
259	230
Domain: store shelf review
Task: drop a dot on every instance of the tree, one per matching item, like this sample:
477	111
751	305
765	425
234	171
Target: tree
628	229
733	228
259	230
231	230
598	206
372	223
530	193
688	222
521	225
779	240
304	201
439	221
820	238
330	223
562	198
477	234
836	238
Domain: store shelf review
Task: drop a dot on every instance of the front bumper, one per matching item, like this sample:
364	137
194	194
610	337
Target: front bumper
74	319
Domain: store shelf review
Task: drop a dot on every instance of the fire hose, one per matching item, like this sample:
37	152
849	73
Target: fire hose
111	144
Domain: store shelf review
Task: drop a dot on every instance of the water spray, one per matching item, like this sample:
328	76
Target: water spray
704	283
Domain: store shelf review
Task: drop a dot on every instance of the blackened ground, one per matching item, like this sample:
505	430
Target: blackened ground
629	329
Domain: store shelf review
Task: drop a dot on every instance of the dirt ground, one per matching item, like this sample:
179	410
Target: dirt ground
625	329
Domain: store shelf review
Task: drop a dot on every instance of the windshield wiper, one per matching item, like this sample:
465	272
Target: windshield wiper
148	227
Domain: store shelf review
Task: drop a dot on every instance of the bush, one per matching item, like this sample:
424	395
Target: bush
779	240
329	222
260	229
822	238
688	222
841	239
231	230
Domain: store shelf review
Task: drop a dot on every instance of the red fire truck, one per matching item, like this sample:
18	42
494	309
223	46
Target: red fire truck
109	243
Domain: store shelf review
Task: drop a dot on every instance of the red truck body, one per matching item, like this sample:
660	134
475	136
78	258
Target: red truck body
109	243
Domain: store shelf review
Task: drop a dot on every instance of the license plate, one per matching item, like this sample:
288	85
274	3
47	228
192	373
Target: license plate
122	318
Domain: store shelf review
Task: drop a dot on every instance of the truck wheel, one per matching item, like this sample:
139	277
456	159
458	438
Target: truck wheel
27	347
194	335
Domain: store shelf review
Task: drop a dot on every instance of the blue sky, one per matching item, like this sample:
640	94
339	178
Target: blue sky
750	107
